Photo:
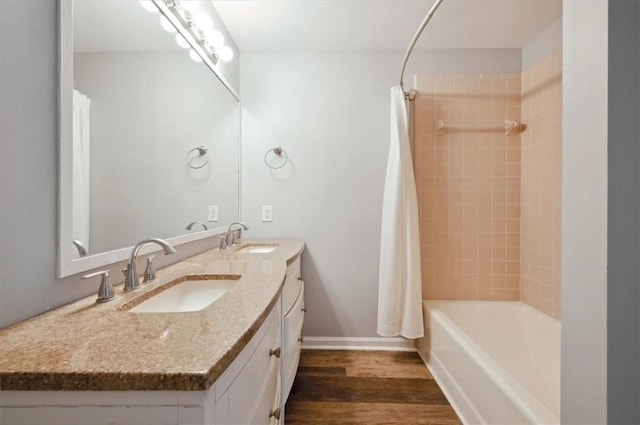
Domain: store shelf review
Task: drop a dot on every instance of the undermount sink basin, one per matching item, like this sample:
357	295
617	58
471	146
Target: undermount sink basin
258	248
189	295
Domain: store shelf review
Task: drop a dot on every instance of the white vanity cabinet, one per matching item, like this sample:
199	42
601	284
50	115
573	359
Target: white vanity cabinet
293	318
230	363
248	392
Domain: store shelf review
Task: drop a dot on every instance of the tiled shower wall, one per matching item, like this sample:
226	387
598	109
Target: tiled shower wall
489	202
468	181
541	184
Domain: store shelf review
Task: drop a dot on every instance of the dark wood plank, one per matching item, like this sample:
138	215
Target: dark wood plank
351	357
307	371
333	413
368	390
365	387
380	368
377	364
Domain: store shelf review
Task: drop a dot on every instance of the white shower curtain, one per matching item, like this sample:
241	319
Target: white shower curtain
400	289
81	169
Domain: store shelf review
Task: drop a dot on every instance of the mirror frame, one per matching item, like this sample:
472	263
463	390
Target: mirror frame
67	264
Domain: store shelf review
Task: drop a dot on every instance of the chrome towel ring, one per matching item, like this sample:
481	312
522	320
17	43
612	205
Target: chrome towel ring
278	151
202	151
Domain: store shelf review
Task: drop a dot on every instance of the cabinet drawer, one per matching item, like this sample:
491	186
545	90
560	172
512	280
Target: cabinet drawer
235	405
291	343
291	289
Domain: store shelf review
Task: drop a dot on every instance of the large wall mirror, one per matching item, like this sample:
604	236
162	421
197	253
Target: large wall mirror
149	133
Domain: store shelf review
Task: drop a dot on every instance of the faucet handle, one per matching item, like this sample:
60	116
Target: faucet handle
223	242
149	271
105	292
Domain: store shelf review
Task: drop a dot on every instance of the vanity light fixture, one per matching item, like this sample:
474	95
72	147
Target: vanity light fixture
196	26
199	29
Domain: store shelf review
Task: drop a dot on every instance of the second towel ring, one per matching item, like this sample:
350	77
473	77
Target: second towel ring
277	150
202	151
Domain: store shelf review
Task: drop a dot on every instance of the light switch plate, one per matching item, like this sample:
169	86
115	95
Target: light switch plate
213	213
267	213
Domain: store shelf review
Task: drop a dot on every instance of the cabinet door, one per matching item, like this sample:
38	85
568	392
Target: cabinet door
268	407
277	413
292	342
236	405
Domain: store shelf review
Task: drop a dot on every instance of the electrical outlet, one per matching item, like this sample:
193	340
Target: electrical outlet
213	213
267	213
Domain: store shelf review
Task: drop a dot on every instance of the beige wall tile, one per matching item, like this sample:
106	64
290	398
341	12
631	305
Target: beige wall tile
541	145
490	203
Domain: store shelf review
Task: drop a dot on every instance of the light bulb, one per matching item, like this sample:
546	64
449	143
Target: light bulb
167	25
182	42
148	5
215	38
225	53
203	21
194	56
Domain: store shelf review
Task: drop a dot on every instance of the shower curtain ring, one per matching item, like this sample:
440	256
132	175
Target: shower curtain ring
278	151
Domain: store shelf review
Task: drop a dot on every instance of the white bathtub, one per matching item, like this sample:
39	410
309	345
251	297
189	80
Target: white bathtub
498	362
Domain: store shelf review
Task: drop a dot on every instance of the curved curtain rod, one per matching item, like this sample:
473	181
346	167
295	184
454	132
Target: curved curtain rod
421	28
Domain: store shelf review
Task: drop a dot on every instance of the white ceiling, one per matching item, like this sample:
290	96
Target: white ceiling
384	24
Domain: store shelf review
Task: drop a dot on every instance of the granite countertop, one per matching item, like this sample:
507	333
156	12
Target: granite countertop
97	347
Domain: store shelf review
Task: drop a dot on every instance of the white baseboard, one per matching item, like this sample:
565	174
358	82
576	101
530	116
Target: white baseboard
344	343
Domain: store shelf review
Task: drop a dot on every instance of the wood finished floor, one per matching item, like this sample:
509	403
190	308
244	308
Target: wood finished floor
365	387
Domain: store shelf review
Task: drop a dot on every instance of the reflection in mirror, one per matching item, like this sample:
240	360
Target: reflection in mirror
154	134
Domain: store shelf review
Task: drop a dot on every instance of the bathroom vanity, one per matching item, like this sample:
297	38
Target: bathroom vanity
231	362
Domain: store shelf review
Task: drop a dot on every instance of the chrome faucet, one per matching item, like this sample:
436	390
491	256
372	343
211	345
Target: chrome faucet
204	226
131	282
232	237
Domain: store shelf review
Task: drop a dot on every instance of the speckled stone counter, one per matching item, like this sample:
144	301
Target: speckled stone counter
104	347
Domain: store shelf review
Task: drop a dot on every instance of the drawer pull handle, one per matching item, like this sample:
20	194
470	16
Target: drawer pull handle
301	339
275	413
275	352
300	279
304	310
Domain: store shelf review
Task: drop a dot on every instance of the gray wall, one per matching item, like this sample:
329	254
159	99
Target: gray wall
330	112
623	286
28	161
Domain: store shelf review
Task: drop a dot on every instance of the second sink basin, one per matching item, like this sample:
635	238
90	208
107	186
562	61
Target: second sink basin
188	295
258	248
